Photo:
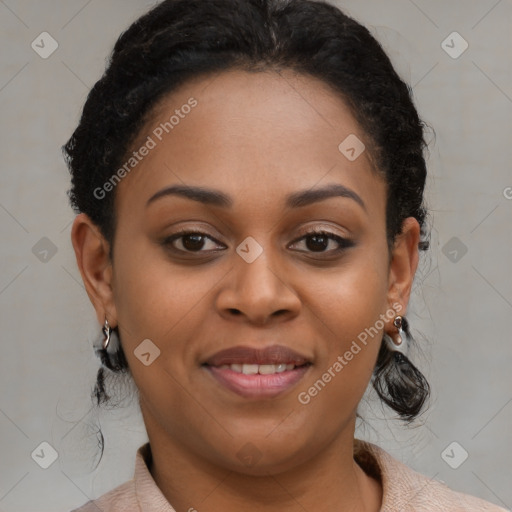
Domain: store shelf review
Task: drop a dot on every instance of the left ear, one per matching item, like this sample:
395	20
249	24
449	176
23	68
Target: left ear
403	264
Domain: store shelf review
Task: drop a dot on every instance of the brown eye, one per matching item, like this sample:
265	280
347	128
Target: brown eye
191	241
318	241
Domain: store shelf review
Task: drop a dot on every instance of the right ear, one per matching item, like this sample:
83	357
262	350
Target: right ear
92	257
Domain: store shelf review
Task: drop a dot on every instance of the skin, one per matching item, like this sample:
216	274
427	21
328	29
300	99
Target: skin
256	137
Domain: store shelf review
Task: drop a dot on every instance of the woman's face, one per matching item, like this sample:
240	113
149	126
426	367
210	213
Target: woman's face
253	278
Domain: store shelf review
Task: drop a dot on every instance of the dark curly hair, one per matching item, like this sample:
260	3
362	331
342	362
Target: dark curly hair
181	39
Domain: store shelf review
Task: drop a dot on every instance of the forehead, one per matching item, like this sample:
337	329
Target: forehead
267	132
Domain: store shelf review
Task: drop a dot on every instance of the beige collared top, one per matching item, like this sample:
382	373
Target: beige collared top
404	490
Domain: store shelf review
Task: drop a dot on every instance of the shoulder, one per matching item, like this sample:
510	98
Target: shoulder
120	499
434	495
406	489
139	493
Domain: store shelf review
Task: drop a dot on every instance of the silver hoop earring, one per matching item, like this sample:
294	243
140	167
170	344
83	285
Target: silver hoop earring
395	342
109	340
107	332
397	322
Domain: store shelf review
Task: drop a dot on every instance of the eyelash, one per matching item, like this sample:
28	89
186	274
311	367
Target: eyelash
343	242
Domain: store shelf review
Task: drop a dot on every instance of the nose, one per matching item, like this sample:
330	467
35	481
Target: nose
257	292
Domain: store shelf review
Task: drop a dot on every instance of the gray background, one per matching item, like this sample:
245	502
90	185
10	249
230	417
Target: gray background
459	311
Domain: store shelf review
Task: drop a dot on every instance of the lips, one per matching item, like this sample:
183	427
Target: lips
258	373
261	369
275	354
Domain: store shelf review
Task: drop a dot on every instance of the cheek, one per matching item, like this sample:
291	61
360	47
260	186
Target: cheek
347	310
161	301
155	299
352	298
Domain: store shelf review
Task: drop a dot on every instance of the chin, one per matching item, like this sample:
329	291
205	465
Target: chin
262	457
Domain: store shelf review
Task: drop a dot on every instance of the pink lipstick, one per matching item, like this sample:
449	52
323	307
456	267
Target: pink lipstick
258	373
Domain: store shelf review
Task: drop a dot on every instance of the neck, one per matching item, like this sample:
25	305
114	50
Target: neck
331	480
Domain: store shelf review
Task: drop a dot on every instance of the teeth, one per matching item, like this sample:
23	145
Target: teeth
262	369
250	369
266	369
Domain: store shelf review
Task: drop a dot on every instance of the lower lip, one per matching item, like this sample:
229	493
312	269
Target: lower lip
258	386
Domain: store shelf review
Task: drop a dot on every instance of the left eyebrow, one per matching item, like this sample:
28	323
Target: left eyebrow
295	200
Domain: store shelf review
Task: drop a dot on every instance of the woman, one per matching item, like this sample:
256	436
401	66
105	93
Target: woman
248	177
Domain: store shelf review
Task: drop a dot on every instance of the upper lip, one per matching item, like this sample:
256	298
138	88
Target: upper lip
274	354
